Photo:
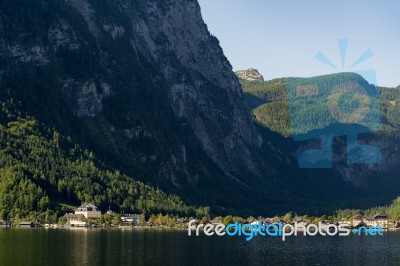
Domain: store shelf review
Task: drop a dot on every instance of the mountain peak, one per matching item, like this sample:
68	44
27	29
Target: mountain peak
250	74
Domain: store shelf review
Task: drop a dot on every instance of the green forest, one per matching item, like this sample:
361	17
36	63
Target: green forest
392	211
270	105
43	175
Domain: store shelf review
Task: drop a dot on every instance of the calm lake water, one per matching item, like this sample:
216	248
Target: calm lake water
170	247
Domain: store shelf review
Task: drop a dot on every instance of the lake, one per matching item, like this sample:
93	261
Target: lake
174	247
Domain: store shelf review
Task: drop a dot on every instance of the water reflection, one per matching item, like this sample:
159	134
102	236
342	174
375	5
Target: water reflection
170	247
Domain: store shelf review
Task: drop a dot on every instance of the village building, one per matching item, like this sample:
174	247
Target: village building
254	222
369	220
25	224
76	220
110	212
89	211
345	223
357	220
379	219
128	219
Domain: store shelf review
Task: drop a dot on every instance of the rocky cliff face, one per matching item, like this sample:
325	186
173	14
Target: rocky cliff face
176	38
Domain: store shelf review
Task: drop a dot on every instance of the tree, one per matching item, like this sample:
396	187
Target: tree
288	217
203	212
116	220
238	219
219	219
228	220
62	220
107	218
250	219
142	219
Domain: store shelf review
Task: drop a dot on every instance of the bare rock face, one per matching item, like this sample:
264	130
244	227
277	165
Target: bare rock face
176	38
85	98
249	74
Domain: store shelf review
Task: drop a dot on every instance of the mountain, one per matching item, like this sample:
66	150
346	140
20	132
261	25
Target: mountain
270	104
144	86
145	93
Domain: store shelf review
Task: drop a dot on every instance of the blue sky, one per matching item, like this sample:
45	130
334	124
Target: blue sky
282	38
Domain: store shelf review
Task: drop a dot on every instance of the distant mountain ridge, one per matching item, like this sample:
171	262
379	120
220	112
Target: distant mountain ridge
269	103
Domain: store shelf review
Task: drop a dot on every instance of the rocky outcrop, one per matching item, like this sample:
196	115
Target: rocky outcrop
85	99
35	54
249	74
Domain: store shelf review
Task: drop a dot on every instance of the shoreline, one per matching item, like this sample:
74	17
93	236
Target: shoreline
98	227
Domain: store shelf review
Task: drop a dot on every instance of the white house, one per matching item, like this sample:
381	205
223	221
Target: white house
75	220
130	219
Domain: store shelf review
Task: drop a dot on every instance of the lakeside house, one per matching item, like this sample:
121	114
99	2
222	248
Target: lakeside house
254	222
76	220
26	224
89	211
378	219
127	219
344	223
